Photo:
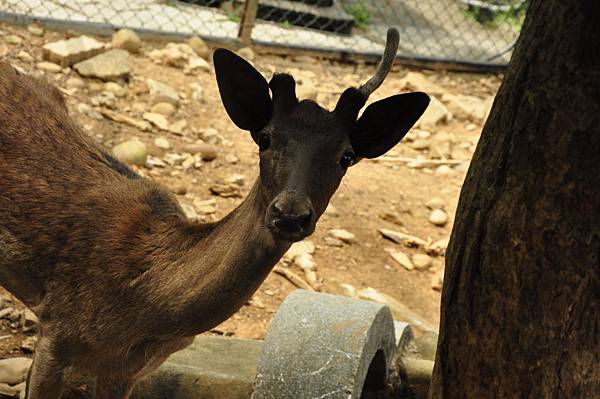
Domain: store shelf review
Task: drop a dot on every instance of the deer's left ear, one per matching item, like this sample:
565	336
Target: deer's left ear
384	123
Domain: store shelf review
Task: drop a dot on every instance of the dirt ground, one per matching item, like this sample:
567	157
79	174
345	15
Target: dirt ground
389	193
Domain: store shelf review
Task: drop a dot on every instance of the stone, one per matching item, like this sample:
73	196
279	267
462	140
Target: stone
471	126
132	152
126	39
25	56
328	344
177	127
13	39
29	320
13	391
199	47
179	189
195	63
417	377
246	53
14	370
416	81
75	83
305	262
112	65
299	248
28	344
210	368
435	203
391	217
116	89
35	30
197	92
422	261
437	281
87	110
157	120
162	142
71	51
205	207
440	246
462	167
104	99
444	170
435	114
209	135
207	152
236	179
402	259
343	235
226	190
420	144
331	211
48	66
469	107
231	159
438	217
162	93
165	109
189	212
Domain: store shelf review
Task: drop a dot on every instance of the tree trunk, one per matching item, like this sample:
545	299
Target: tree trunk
521	298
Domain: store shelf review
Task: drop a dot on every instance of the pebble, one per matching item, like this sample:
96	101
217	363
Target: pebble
343	235
179	189
24	56
13	39
189	212
75	83
126	39
305	261
28	344
422	261
162	142
162	93
111	65
157	120
435	203
131	152
333	242
437	281
116	89
166	109
444	170
199	47
177	127
14	370
236	179
391	217
438	217
205	207
420	144
331	211
232	159
402	259
48	66
299	248
35	30
247	53
471	126
85	109
71	51
206	151
462	167
226	190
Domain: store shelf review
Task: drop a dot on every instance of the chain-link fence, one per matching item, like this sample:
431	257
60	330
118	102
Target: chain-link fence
476	32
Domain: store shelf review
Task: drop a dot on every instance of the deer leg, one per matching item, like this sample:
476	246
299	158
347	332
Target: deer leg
45	379
112	388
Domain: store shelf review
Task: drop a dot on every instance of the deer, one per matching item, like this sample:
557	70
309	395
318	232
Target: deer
117	276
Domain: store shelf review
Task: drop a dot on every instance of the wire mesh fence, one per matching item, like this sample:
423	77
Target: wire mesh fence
480	32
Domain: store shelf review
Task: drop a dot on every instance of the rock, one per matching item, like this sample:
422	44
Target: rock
35	30
14	370
197	92
226	190
177	127
196	63
75	83
438	217
205	207
189	212
342	235
29	320
437	281
391	217
48	66
444	170
246	53
85	109
440	246
13	39
331	211
299	248
416	81
436	113
333	242
104	99
162	93
236	179
462	167
471	126
13	391
232	159
25	56
305	261
165	109
209	135
435	203
28	344
116	89
162	142
179	189
206	151
420	144
71	51
126	39
131	152
199	47
402	259
422	261
157	120
112	65
188	162
469	107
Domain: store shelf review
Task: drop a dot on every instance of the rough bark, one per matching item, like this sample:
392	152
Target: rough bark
521	297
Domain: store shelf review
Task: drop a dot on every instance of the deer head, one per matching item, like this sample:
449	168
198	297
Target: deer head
304	149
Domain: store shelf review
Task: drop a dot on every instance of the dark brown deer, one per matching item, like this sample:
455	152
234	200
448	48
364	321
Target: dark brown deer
107	260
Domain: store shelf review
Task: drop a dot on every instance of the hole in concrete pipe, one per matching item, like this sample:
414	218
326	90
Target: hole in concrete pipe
374	387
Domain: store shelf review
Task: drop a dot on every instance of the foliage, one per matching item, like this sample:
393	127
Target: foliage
514	15
360	13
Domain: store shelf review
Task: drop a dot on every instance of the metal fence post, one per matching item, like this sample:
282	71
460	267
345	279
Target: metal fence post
247	22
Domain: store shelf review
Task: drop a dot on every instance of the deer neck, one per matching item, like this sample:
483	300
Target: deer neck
225	266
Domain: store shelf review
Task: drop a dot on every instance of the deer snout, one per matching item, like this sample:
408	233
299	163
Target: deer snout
291	216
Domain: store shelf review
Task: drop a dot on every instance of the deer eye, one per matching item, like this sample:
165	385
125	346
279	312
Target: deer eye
264	141
347	159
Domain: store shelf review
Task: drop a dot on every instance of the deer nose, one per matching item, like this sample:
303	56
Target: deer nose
292	215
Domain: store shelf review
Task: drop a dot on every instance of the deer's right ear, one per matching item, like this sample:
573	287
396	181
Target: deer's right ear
244	91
